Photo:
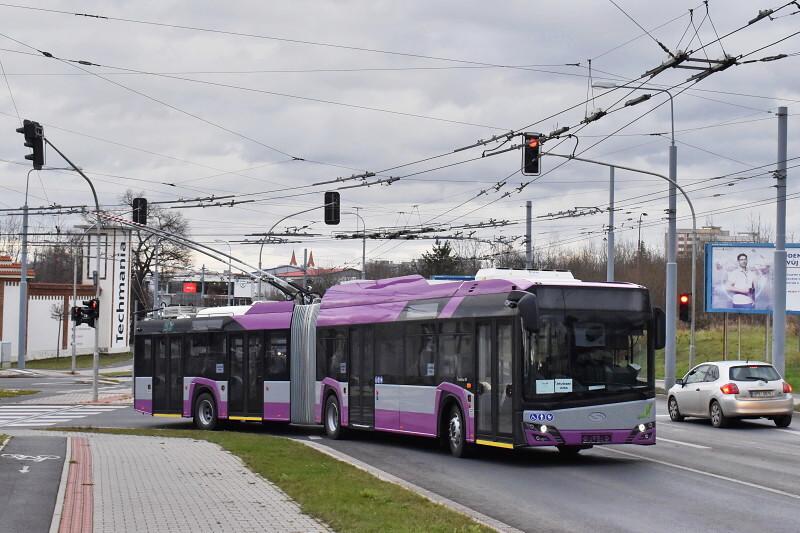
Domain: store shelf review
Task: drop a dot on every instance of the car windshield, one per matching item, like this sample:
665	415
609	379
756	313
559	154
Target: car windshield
587	351
754	373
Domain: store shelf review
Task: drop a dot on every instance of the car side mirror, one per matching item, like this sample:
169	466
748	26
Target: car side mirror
680	382
659	328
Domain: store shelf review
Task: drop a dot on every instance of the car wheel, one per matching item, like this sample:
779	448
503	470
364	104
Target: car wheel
456	433
205	412
333	425
674	413
718	419
783	421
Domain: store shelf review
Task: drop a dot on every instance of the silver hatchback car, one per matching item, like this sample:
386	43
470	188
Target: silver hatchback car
727	390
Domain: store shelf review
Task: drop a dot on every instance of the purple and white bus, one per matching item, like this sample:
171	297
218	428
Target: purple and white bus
510	359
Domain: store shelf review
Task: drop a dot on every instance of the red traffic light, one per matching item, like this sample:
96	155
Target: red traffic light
533	142
684	298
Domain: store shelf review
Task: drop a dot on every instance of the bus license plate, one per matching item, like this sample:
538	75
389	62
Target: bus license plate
602	438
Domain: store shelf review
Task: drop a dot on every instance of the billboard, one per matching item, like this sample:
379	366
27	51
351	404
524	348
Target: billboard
190	286
740	278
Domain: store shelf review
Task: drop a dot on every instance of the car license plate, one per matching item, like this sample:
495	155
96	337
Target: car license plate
761	393
602	438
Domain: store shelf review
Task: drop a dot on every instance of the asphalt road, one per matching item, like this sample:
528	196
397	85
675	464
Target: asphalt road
30	471
697	478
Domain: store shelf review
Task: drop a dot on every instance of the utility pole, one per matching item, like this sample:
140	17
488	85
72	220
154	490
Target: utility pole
779	309
74	302
156	303
22	338
363	245
672	271
610	254
528	235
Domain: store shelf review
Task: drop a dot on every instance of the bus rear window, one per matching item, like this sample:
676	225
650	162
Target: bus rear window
754	373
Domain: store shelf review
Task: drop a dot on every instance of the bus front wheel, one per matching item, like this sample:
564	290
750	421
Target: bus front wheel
205	412
456	433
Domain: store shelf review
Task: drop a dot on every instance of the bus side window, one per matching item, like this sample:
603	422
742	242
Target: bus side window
331	354
389	352
420	360
144	357
277	358
455	353
216	356
197	348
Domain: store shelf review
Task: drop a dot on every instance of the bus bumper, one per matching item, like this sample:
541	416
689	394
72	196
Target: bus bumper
551	436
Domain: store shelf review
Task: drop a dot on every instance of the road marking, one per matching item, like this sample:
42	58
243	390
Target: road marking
314	437
662	416
703	473
34	458
660	438
25	469
38	416
793	432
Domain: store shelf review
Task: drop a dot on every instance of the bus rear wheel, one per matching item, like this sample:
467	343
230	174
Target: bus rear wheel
332	418
205	412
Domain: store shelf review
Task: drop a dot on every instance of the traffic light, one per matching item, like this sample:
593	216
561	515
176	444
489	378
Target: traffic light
530	154
140	211
332	206
90	312
34	138
76	315
684	301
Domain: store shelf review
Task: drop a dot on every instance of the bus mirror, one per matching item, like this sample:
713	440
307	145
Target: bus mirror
659	328
529	312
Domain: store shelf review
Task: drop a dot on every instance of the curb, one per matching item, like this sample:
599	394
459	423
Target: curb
428	495
55	523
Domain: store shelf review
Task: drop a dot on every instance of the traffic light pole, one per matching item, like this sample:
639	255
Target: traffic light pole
96	351
22	335
669	358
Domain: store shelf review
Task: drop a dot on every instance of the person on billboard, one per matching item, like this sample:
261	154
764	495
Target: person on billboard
741	285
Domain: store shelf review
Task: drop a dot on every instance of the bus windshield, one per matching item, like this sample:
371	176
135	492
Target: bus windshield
590	342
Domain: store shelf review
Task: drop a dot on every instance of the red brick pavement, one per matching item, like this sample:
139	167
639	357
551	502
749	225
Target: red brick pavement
77	515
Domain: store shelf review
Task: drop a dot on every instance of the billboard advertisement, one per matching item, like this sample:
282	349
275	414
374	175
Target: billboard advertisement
740	278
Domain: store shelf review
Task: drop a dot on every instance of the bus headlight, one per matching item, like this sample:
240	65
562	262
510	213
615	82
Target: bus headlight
641	428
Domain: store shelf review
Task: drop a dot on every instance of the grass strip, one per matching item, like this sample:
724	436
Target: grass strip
13	393
342	496
117	374
81	361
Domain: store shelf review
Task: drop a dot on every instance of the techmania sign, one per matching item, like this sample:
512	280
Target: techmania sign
119	324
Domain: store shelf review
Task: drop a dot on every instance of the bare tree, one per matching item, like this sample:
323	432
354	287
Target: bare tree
57	313
171	256
10	231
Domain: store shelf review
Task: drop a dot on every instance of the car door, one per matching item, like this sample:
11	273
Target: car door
707	388
687	396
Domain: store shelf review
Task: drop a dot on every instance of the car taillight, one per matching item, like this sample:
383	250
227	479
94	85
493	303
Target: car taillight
786	388
729	388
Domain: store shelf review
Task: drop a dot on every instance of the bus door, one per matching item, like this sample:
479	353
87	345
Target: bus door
362	378
236	374
494	394
175	373
254	372
160	374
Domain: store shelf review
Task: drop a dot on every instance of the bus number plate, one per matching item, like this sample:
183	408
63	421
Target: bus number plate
602	438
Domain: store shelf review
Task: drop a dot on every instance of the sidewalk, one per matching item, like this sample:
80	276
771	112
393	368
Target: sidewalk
120	483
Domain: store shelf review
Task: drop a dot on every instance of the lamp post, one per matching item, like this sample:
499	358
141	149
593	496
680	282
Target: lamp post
363	243
667	370
266	235
672	248
230	253
639	240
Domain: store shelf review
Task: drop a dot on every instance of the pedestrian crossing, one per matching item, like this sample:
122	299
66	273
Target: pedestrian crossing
19	415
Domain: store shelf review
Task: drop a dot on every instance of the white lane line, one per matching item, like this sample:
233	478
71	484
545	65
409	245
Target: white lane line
792	431
662	416
314	437
703	473
31	424
660	438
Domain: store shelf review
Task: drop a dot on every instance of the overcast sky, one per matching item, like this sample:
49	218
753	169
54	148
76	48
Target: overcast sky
217	114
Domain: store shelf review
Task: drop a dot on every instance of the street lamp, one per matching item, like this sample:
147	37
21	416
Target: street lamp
672	265
363	243
639	240
230	253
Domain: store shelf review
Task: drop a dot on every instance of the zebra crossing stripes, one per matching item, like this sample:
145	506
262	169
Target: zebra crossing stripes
48	415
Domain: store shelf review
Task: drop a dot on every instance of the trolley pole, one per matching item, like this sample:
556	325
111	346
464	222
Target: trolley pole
779	309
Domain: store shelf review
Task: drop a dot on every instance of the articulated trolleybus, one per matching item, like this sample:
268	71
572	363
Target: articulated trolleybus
510	359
